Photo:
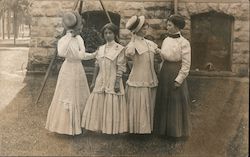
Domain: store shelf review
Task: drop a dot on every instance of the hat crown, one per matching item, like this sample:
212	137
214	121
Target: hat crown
135	23
69	19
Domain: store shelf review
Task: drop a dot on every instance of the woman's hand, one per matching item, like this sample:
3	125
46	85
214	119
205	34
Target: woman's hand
176	84
117	86
92	86
158	51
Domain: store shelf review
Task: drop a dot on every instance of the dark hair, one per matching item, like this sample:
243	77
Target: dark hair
113	28
177	20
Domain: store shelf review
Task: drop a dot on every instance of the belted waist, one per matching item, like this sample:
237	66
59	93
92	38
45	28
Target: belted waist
166	61
72	60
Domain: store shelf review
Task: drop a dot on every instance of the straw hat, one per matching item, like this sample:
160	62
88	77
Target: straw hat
72	20
135	23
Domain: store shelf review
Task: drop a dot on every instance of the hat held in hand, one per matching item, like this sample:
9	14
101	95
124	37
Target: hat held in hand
135	23
72	20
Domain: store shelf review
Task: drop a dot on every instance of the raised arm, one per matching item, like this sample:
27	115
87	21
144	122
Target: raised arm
82	52
63	45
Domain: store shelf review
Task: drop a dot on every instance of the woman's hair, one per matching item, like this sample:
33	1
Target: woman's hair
177	20
113	28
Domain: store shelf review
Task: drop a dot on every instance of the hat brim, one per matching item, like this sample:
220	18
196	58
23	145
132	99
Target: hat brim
142	20
78	24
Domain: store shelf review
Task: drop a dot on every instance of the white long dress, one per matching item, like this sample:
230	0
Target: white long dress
72	90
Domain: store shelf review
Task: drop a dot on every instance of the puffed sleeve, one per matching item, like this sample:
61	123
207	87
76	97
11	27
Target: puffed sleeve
155	47
121	64
82	54
130	50
63	44
185	61
163	49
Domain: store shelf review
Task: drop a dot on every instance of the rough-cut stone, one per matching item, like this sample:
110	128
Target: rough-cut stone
240	58
241	25
235	10
241	47
213	6
149	14
192	8
46	24
44	31
223	7
241	69
161	14
202	7
46	42
241	36
182	10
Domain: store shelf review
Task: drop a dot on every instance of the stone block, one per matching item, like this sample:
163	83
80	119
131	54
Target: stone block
240	25
241	36
202	7
241	47
240	58
149	14
235	10
241	69
223	7
213	6
46	42
192	8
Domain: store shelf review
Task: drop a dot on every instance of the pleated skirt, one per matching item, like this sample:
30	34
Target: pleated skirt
171	116
141	102
106	113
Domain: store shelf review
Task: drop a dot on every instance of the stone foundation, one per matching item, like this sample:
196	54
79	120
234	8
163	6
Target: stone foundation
47	24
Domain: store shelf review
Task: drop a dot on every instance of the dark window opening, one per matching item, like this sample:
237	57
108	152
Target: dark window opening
95	20
91	33
211	41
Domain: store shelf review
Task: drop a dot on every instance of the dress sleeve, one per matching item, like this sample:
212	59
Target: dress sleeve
163	49
185	62
82	54
121	64
130	50
63	44
155	47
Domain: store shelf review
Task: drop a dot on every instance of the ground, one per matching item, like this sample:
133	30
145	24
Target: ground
219	119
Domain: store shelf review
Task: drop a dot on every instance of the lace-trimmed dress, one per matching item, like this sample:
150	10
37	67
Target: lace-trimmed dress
72	90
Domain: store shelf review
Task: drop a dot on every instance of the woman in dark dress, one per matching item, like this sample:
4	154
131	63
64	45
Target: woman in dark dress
171	116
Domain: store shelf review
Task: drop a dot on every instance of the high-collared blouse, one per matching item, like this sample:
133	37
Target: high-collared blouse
142	52
112	64
177	49
72	48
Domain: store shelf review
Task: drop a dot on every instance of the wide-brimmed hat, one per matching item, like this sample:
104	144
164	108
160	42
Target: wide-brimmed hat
177	20
135	23
72	20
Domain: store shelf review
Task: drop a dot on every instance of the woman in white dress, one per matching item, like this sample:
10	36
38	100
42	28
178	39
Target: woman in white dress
106	109
71	93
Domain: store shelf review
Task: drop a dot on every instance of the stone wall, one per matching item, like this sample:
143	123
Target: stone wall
47	24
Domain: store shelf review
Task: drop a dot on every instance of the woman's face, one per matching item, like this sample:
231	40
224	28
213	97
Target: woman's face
143	30
171	28
109	35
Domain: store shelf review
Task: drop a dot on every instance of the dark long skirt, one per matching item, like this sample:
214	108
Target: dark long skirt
171	115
